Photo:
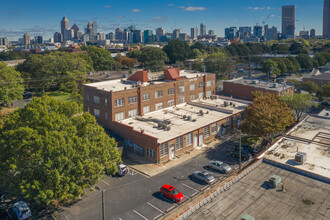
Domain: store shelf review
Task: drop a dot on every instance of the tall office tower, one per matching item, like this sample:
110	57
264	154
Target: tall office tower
230	33
176	34
125	34
68	34
288	21
38	40
211	33
137	36
159	33
184	37
75	29
203	29
94	28
79	35
58	37
326	19
257	31
101	36
119	34
26	39
270	33
148	36
312	33
3	41
194	33
91	30
244	32
131	28
65	24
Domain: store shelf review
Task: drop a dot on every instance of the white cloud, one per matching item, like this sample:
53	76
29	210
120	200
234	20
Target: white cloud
272	16
268	8
170	5
107	6
136	10
195	9
258	8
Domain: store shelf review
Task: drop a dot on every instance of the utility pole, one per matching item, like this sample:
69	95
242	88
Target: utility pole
240	149
103	209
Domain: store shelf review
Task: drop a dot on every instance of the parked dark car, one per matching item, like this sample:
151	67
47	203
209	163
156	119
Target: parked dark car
245	155
248	148
325	103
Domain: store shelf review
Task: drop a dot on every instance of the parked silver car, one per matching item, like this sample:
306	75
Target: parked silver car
220	166
203	176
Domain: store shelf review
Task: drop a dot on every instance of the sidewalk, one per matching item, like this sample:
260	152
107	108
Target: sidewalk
149	168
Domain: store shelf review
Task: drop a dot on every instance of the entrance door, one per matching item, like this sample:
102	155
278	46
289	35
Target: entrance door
172	151
219	130
201	139
195	140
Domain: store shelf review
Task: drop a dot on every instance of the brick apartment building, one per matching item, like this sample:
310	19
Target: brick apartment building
161	115
243	88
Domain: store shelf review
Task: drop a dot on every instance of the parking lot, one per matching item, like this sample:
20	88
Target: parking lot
135	196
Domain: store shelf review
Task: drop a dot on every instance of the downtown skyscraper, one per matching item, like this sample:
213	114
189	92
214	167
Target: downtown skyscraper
326	19
288	21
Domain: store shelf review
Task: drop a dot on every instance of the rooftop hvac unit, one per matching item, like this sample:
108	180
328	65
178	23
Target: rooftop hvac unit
189	118
167	128
230	103
234	105
225	103
275	85
274	181
185	116
300	157
201	112
255	81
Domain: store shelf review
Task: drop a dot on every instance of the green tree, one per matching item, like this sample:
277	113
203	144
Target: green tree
299	103
101	58
326	90
217	63
289	65
177	50
294	62
50	153
266	116
135	54
297	48
305	61
11	84
153	58
271	66
281	65
310	87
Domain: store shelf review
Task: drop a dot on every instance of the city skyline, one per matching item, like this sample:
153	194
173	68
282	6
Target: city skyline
39	19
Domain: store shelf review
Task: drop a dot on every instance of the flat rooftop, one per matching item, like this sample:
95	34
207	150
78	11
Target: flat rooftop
311	137
213	110
303	198
261	84
121	84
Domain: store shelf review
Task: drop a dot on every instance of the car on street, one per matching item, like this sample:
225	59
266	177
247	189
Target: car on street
203	176
220	166
245	155
171	193
21	211
122	170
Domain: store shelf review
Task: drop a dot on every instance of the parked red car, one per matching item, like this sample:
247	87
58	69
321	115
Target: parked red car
171	193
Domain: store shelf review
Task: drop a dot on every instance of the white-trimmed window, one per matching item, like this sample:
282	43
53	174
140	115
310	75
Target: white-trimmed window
146	109
105	102
96	113
119	102
201	95
182	89
87	97
164	149
146	96
106	116
208	83
120	116
179	143
96	100
159	94
189	139
208	93
182	99
192	87
201	84
132	99
159	106
171	91
132	113
207	131
214	128
192	97
170	103
151	153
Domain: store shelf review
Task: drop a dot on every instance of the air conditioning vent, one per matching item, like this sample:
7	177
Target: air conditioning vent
300	157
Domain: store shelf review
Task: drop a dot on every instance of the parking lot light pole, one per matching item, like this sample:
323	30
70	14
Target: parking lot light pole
240	149
103	209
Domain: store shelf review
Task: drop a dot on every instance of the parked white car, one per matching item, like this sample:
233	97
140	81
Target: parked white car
220	166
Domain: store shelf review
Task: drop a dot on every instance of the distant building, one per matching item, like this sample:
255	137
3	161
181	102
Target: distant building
288	21
137	36
58	37
326	19
85	38
176	34
159	33
68	34
148	37
3	41
184	37
101	36
194	33
231	33
38	40
270	33
312	33
257	31
319	77
119	34
65	24
304	34
91	30
202	29
211	33
75	29
26	39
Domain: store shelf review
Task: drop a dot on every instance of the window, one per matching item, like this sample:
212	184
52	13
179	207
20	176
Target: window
192	87
170	103
119	116
106	116
182	89
97	113
213	82
146	109
132	99
207	131
214	128
201	84
88	109
179	143
96	100
189	139
208	83
151	153
201	95
146	96
208	93
132	113
182	99
87	97
119	102
159	106
170	91
159	94
105	102
164	149
192	97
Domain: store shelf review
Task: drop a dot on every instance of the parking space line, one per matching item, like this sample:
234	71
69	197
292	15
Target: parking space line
190	187
140	215
157	216
155	207
106	183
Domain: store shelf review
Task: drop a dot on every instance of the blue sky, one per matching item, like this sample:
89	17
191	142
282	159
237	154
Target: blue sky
40	17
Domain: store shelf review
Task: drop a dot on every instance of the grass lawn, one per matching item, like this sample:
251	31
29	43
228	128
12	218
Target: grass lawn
61	96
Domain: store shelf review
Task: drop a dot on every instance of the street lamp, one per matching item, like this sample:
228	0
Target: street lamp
239	133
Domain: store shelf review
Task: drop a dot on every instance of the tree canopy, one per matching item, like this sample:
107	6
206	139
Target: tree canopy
177	50
271	66
50	153
266	116
101	58
11	84
153	57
